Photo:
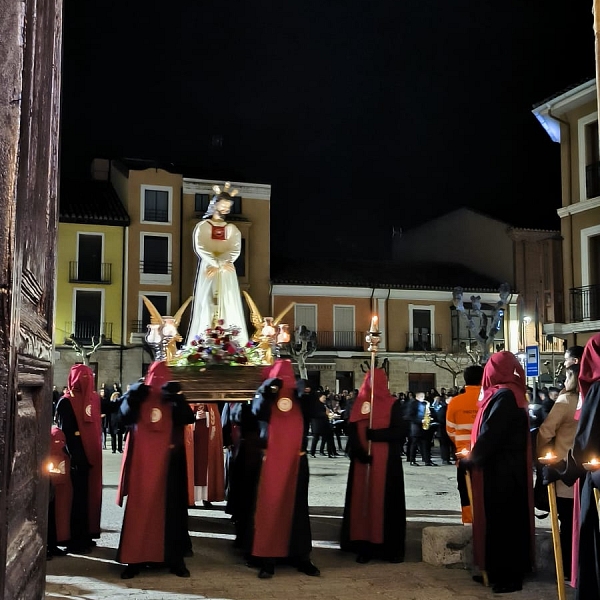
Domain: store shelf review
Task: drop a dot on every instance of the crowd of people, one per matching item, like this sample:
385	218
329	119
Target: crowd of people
493	429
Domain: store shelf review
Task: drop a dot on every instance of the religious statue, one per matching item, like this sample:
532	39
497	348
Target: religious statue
216	291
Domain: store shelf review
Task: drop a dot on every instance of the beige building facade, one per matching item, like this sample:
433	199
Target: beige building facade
571	120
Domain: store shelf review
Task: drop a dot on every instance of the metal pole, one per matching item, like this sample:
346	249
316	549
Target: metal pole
373	338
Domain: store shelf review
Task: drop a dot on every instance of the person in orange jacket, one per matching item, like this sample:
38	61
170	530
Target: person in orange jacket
460	417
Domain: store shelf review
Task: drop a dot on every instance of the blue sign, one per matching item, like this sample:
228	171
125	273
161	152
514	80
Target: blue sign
532	362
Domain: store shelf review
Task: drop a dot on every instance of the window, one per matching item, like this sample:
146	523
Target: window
89	257
306	314
160	301
343	327
589	157
88	315
201	202
156	204
421	336
155	259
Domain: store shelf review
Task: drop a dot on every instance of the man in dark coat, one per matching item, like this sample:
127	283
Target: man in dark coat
281	531
154	475
78	416
374	522
501	474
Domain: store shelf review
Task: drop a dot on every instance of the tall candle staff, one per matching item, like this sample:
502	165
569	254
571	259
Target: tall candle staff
548	459
373	338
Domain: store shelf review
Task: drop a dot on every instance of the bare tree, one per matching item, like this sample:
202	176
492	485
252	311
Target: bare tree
81	351
302	347
453	363
484	333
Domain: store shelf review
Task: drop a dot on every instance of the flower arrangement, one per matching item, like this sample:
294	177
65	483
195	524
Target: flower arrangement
218	346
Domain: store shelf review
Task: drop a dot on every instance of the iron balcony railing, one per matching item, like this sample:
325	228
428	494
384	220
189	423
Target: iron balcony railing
423	342
138	327
155	267
592	180
585	303
84	331
100	273
156	215
340	340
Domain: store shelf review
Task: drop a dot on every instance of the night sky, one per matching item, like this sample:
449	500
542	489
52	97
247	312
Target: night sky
361	114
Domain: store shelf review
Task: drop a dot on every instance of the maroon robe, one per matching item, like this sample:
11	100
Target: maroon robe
86	406
209	467
60	476
144	476
367	501
279	474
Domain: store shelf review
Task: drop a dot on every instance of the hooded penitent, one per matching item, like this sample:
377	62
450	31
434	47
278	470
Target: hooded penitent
279	475
86	406
144	474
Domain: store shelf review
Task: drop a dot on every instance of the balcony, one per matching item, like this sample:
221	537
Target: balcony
423	342
154	267
100	273
341	340
84	331
592	180
585	303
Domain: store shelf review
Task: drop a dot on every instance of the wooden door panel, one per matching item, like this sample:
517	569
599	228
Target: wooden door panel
30	63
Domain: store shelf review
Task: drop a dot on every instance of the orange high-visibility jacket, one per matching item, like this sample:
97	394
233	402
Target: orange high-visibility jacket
461	416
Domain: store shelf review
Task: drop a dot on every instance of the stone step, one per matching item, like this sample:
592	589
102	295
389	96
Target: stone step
451	546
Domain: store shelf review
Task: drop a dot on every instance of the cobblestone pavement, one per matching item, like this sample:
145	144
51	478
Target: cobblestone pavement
218	572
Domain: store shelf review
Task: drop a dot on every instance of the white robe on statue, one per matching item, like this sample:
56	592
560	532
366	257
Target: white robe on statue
218	244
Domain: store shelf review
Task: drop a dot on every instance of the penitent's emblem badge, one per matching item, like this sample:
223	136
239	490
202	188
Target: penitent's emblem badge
284	404
365	409
88	410
155	415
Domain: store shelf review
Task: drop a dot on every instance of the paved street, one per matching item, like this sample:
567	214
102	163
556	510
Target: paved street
218	572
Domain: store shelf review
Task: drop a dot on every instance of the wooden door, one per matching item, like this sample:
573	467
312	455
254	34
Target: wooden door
30	64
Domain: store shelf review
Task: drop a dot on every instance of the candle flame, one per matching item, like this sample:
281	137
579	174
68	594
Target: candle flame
374	321
50	467
595	461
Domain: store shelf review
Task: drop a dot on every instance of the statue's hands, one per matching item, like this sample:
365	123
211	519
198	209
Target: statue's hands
228	266
211	271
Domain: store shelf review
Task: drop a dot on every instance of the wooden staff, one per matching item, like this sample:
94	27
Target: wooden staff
558	557
484	574
597	499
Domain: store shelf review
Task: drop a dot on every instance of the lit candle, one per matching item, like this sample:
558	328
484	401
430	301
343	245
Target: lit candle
463	453
374	323
595	462
50	467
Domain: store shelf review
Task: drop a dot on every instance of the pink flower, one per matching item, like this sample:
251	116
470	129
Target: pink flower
221	321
